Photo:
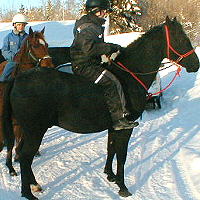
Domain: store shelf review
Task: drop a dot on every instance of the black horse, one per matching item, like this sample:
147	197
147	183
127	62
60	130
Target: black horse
41	98
60	55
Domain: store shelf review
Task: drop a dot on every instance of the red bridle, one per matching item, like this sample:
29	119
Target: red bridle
169	47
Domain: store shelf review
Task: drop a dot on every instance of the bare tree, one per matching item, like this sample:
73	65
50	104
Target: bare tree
187	12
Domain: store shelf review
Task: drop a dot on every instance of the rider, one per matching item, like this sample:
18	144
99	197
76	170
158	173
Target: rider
12	43
86	51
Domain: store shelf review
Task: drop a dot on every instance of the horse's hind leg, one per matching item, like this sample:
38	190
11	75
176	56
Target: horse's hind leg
121	145
1	113
12	171
1	146
158	102
1	137
18	137
30	146
154	102
110	156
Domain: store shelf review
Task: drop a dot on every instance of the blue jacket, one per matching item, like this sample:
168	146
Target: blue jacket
11	44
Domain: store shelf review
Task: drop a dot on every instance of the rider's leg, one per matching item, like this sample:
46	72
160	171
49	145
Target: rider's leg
7	71
113	91
116	101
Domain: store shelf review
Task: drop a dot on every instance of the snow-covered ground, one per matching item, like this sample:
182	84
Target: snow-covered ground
163	161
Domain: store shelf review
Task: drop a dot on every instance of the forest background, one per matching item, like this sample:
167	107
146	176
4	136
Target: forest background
128	15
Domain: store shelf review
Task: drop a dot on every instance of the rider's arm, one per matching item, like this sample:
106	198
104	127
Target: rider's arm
6	50
93	46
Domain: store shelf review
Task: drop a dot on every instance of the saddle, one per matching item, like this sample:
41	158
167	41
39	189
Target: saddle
67	67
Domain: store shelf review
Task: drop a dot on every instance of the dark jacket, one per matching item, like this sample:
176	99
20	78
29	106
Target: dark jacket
88	44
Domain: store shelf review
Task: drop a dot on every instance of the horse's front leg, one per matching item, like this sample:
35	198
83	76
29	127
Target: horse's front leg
121	145
110	156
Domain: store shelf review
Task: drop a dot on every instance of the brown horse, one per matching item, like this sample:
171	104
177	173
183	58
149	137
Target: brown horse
33	53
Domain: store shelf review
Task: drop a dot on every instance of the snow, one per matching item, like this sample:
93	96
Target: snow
163	159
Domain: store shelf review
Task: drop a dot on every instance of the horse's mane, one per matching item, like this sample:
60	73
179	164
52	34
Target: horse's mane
144	37
137	44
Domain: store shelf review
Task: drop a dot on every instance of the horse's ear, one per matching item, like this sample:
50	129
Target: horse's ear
174	20
42	31
167	21
30	31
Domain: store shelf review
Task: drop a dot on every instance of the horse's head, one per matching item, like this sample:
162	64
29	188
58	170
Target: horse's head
34	51
179	48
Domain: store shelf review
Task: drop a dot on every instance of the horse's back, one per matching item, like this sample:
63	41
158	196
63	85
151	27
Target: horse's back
60	55
58	98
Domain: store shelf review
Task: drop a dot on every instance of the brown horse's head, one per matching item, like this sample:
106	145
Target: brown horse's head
33	52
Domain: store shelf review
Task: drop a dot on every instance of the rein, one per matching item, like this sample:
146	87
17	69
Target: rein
169	47
38	60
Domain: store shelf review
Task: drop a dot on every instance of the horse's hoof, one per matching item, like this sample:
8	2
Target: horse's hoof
14	173
124	193
36	188
111	178
30	197
105	171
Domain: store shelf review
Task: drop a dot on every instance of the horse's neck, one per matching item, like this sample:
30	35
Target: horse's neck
21	68
146	57
25	63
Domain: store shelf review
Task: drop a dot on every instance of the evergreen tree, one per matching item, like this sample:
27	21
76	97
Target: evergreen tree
22	9
124	16
49	10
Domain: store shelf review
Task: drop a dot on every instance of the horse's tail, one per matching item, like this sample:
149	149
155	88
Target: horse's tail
7	126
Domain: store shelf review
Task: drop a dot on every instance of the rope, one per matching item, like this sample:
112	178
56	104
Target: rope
143	84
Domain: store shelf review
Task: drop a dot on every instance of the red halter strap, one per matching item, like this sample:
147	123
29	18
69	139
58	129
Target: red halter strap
169	47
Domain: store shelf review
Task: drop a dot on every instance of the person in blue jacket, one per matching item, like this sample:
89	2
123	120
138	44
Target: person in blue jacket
12	43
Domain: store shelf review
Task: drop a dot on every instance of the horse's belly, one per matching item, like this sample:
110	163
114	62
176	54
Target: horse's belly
85	122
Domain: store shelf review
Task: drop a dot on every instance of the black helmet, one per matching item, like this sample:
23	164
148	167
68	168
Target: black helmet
101	4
